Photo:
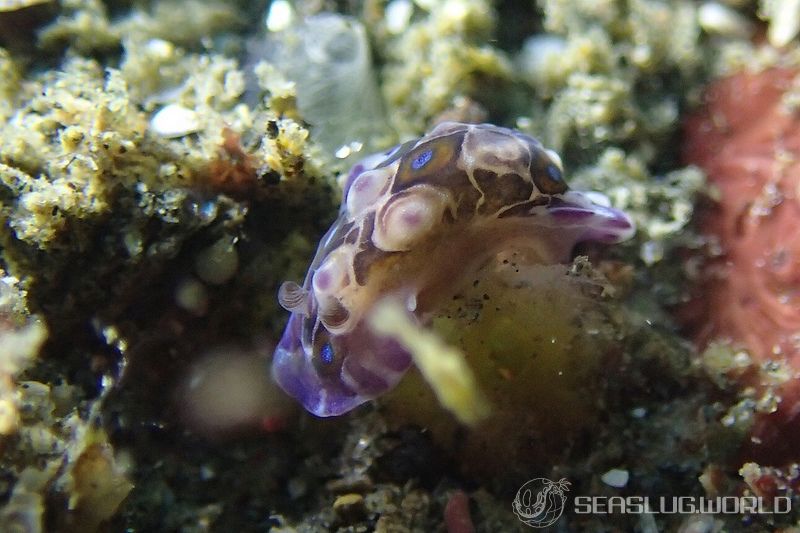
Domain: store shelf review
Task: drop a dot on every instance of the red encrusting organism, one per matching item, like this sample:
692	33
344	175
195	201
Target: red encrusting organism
746	137
235	172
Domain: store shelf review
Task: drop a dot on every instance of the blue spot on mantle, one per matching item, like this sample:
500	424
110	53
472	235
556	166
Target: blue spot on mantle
422	159
326	353
554	173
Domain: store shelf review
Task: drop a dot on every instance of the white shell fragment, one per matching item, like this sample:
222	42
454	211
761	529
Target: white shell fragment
616	478
174	121
720	19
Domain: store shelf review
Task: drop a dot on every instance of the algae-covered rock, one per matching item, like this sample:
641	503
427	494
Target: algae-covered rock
442	55
21	337
105	218
156	182
607	51
87	26
53	458
9	83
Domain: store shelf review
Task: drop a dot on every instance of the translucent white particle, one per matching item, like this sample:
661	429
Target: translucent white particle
456	10
638	412
192	295
398	15
349	149
218	263
280	15
343	152
652	252
541	52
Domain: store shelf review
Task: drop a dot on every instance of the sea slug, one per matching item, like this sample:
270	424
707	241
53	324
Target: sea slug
415	223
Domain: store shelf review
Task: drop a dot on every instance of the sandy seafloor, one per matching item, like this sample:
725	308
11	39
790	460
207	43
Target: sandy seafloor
166	164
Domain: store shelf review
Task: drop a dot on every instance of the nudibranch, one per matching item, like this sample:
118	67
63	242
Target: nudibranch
415	222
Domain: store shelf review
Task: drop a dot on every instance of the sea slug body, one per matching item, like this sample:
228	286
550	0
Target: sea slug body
415	222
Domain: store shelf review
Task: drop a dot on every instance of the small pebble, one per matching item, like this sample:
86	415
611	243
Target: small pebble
175	121
651	252
638	412
192	296
355	483
160	48
457	518
615	478
218	263
350	508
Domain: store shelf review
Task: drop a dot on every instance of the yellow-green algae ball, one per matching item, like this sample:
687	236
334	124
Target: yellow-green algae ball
539	339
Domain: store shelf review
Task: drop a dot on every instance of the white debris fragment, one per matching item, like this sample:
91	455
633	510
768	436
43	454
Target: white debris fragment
174	120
